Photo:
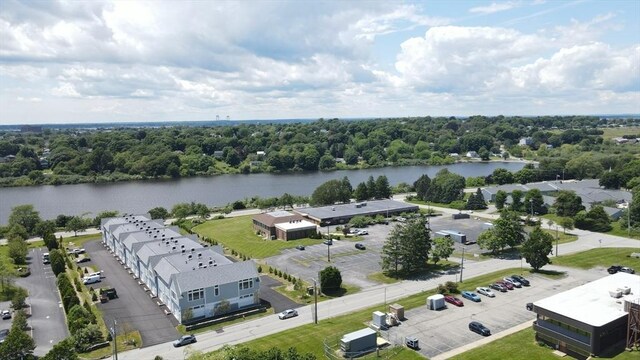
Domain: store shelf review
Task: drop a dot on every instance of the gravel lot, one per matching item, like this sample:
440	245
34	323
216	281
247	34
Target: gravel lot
447	329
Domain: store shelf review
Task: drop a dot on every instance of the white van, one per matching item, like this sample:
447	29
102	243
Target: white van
91	279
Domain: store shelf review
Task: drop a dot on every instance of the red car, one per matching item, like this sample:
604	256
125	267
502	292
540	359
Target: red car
453	300
508	285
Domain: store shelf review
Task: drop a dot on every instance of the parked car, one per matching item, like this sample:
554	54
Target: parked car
328	242
300	247
614	269
83	259
485	291
360	246
627	270
453	300
289	313
3	335
514	282
185	340
529	306
508	285
88	280
521	280
363	232
479	328
471	296
45	258
499	287
5	314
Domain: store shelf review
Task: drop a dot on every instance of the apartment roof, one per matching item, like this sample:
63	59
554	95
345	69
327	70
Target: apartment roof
146	250
106	222
150	235
591	303
118	230
218	275
353	209
188	261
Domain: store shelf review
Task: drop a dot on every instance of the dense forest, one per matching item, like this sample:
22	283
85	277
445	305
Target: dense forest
569	145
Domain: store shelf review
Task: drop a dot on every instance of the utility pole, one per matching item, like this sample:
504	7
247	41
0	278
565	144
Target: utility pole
462	265
329	250
315	305
114	333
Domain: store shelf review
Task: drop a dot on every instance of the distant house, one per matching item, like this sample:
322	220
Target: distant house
526	141
260	153
218	154
454	154
472	154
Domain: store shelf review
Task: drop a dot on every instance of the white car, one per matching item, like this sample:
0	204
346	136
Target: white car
485	291
287	314
363	232
513	282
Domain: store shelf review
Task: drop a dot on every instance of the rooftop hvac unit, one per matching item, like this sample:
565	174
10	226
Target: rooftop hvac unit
625	290
615	293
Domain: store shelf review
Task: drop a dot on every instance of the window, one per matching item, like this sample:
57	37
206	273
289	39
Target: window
194	295
245	284
216	290
173	294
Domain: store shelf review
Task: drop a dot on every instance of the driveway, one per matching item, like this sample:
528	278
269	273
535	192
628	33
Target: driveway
47	316
278	301
133	309
447	329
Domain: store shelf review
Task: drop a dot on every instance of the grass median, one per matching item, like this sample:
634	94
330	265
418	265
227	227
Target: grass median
604	257
309	338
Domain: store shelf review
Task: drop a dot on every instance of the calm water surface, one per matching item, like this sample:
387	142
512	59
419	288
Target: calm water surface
140	196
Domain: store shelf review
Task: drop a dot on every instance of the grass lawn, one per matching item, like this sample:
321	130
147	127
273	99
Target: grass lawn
182	329
522	345
562	237
309	338
610	133
621	230
443	265
125	342
604	257
237	234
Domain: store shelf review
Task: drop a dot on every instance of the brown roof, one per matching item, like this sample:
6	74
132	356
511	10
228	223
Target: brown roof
271	221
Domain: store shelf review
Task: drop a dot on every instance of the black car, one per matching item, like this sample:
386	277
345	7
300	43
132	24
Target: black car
614	269
300	247
479	328
529	306
521	280
360	246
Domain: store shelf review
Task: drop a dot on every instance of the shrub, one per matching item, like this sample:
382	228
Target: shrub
259	269
18	300
94	297
330	279
87	336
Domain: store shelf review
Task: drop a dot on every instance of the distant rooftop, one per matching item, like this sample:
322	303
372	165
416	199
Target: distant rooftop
295	224
353	209
591	302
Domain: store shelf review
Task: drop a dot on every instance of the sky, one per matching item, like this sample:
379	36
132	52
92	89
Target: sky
112	61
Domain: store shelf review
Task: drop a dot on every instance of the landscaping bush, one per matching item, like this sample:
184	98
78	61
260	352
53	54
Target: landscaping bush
87	336
330	279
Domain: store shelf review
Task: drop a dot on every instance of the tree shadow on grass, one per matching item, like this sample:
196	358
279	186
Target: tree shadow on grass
432	271
549	273
335	292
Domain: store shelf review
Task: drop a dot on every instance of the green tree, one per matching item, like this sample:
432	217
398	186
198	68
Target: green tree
501	198
422	187
17	345
18	250
76	224
327	162
508	228
50	241
57	262
568	203
516	200
446	187
476	201
63	350
502	176
26	216
331	192
392	252
533	202
611	180
87	336
382	189
330	279
594	220
361	193
20	320
103	215
159	213
77	318
44	227
490	241
407	248
442	249
537	248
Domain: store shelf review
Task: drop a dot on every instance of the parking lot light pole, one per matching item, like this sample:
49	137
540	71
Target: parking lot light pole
114	334
462	264
315	301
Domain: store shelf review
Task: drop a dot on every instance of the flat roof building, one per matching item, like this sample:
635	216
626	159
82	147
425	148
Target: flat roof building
342	213
265	224
589	319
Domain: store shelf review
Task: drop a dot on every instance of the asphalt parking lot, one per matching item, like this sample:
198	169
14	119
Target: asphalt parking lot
447	329
133	308
47	318
5	324
355	265
277	301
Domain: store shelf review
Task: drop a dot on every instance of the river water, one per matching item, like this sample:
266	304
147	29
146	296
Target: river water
140	196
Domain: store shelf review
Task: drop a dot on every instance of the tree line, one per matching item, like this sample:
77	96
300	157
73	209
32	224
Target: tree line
73	156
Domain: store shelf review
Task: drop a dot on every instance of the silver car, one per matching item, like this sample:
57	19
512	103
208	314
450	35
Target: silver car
287	314
485	291
514	282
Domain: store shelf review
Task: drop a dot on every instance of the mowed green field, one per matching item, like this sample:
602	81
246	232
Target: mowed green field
237	233
522	345
610	133
604	257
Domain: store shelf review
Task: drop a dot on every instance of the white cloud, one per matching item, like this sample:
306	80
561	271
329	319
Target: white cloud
65	90
494	7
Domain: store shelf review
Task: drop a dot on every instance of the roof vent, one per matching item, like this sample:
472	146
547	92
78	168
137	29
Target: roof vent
190	256
199	255
193	249
183	251
182	246
173	248
199	264
210	262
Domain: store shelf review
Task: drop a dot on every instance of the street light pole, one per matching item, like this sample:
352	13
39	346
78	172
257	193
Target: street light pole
462	264
114	331
315	302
